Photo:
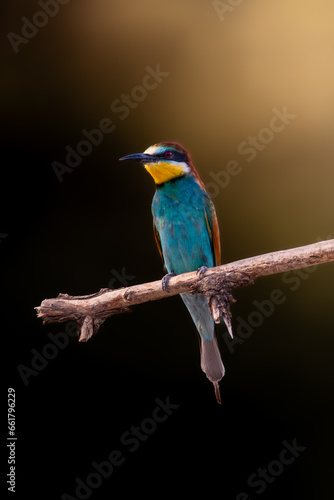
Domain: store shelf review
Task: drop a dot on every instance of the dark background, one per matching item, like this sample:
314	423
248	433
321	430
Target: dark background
225	77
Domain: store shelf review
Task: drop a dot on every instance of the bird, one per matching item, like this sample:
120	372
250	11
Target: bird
186	231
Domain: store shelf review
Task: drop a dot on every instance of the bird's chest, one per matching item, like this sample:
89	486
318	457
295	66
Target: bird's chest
180	220
177	212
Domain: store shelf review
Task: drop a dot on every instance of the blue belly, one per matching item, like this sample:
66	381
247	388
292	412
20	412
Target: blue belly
179	215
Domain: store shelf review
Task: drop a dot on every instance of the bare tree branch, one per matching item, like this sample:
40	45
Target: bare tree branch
90	311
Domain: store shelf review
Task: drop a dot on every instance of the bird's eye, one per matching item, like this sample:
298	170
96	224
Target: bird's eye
168	154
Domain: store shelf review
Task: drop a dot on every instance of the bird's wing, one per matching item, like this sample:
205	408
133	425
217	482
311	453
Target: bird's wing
213	228
157	240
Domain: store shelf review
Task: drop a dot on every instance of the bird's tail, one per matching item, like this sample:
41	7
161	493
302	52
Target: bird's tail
211	364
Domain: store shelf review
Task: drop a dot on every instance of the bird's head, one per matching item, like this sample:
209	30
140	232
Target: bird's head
165	161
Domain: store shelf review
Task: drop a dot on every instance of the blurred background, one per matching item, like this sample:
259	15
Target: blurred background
250	84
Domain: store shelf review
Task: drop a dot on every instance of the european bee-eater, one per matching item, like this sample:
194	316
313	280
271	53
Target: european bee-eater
187	235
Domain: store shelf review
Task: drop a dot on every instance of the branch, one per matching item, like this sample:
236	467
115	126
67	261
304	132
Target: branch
90	311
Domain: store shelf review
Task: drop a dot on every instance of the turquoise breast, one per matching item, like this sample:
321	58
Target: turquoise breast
178	210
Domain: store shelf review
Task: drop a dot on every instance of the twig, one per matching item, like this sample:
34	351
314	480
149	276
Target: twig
90	311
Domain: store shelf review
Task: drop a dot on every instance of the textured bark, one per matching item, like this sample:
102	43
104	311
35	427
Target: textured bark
90	311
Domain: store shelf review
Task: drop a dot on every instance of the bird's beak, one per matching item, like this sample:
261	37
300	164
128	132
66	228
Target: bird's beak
141	157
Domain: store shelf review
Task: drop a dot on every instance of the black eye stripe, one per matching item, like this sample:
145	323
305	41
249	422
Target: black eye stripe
175	156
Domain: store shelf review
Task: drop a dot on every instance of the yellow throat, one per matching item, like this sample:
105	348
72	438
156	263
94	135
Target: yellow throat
165	171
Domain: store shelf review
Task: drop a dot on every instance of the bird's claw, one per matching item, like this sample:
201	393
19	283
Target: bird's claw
164	281
201	271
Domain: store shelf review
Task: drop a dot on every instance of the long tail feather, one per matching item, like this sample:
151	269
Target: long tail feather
211	364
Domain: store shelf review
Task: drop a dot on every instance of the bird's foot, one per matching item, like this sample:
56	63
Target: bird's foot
201	271
165	279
